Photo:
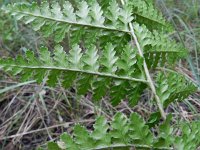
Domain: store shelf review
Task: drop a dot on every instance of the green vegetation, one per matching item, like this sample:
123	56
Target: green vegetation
122	133
102	55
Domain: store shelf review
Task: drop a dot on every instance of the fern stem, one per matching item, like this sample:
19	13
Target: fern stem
149	79
82	71
130	146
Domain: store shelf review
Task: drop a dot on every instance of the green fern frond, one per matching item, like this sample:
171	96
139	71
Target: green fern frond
117	68
52	19
189	136
158	48
147	14
162	43
169	91
119	129
139	131
89	67
113	45
127	133
165	137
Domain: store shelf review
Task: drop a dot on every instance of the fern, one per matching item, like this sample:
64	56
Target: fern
148	15
124	133
97	66
114	67
87	16
189	134
58	22
89	67
169	91
113	47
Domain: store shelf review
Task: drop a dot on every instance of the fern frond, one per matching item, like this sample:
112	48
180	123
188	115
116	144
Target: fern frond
140	132
118	91
117	135
100	132
127	133
169	91
112	46
98	65
120	128
148	15
165	137
53	19
89	67
158	48
190	136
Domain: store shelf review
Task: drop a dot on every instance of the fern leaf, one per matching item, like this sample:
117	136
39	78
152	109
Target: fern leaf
55	19
134	93
190	137
120	129
113	13
83	13
68	11
82	138
68	142
75	56
90	59
100	87
53	78
45	56
60	57
126	17
128	61
69	78
158	48
56	10
148	15
109	59
127	133
143	34
89	16
97	14
99	135
118	91
84	84
165	137
170	91
94	71
60	31
139	132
